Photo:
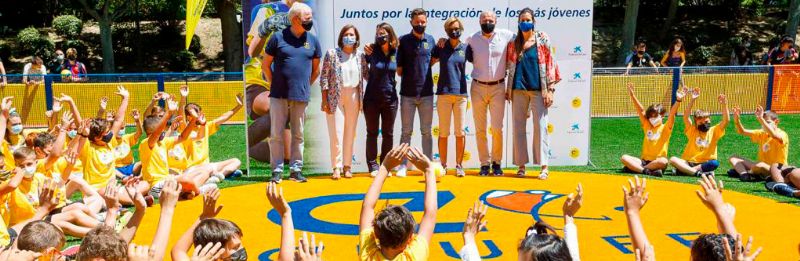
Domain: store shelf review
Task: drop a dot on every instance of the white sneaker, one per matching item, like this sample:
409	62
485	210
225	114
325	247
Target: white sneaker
401	171
219	176
373	174
543	174
212	180
207	187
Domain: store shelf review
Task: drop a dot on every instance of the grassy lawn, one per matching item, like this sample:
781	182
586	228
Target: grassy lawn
611	137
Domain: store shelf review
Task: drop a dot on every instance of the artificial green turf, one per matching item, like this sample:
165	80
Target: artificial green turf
610	138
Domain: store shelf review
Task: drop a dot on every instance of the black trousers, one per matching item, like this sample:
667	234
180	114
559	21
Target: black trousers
380	117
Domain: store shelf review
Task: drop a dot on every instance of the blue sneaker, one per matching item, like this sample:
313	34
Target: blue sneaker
785	190
235	174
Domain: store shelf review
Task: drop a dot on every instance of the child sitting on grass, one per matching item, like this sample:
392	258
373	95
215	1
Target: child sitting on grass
390	235
700	154
656	136
773	146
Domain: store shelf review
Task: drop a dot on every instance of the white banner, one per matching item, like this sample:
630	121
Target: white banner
569	24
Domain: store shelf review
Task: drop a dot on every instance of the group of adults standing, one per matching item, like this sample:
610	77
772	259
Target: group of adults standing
508	67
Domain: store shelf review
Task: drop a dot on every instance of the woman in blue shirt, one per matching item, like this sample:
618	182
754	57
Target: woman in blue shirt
451	91
380	96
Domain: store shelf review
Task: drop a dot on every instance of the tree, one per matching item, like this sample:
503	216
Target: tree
628	29
672	11
794	18
231	34
105	12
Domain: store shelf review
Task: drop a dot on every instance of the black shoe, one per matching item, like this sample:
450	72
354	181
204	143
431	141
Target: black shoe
298	176
277	176
747	177
484	171
733	174
701	173
655	173
770	186
496	170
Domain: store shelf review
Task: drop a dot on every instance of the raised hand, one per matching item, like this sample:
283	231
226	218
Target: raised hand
140	253
475	222
65	98
681	93
48	114
760	112
84	128
6	104
184	90
308	250
66	120
740	253
210	208
209	252
135	114
103	103
416	157
573	202
368	49
172	105
636	198
48	195
722	99
110	195
56	106
630	87
395	156
130	188
737	113
170	193
695	93
276	199
121	91
712	193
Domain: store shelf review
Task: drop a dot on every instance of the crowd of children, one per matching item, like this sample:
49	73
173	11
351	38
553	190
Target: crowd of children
700	157
74	177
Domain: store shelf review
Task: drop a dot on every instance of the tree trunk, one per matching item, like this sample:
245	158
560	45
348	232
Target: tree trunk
672	11
231	35
107	43
794	18
628	29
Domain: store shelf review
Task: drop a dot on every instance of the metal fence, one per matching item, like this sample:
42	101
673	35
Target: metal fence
776	88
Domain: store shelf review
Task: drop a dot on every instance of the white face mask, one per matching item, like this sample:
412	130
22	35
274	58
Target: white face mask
771	125
29	171
656	121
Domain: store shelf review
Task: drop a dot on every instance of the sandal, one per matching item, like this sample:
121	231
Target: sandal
336	174
347	173
521	172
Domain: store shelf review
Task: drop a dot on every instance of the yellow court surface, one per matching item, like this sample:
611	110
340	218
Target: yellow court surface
330	209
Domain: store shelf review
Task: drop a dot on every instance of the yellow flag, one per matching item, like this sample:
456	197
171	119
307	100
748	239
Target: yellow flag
194	9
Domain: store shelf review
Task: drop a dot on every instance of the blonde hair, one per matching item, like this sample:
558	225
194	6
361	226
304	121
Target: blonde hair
298	9
701	114
450	21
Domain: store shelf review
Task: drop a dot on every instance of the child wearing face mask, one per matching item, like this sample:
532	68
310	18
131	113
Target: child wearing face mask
773	146
656	137
700	154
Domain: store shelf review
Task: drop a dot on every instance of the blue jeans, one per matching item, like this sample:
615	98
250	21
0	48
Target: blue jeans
408	107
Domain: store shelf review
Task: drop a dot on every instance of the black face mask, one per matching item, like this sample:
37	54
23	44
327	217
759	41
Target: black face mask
107	138
239	255
641	52
704	127
381	40
487	28
455	34
419	29
307	25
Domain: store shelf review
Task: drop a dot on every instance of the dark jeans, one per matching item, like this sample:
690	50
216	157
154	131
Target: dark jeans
380	118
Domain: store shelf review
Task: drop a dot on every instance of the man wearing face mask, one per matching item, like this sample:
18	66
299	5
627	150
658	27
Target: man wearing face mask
640	58
296	54
57	62
414	62
487	50
700	154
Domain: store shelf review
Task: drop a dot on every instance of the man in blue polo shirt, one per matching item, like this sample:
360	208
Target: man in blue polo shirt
291	65
416	83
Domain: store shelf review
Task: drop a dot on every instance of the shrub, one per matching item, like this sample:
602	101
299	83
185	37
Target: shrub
181	61
703	55
68	26
195	47
28	36
43	48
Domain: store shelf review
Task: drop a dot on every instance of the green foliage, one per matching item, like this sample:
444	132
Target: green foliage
5	50
28	36
195	47
703	55
181	61
68	26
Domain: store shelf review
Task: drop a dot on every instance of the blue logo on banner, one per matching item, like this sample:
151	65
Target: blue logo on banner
575	127
576	76
577	49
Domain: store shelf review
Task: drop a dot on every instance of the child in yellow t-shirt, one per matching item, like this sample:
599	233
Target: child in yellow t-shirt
123	143
785	180
773	146
656	137
199	150
390	234
700	154
154	150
